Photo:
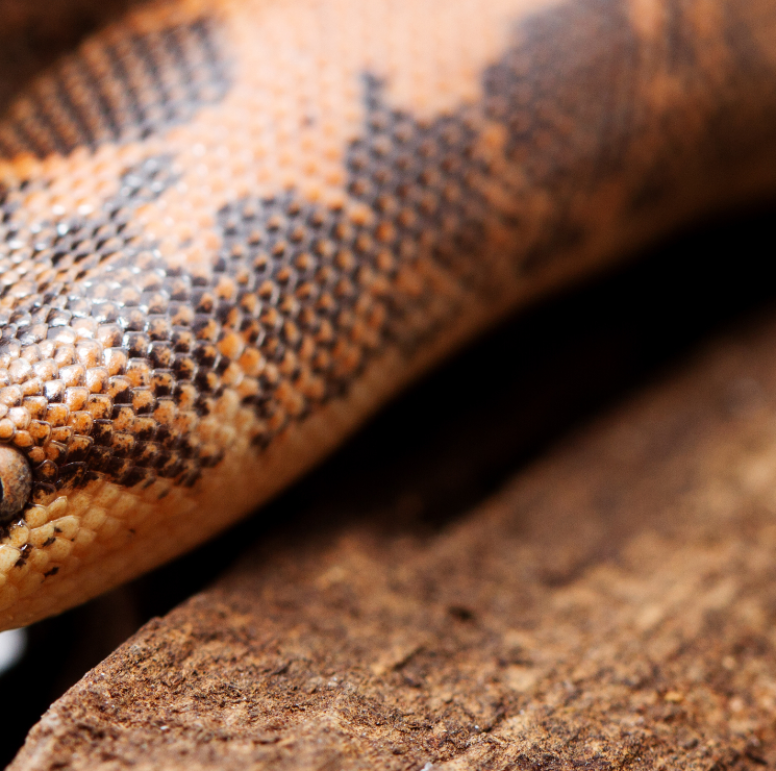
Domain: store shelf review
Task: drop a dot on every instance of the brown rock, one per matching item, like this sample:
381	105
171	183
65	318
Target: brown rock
612	607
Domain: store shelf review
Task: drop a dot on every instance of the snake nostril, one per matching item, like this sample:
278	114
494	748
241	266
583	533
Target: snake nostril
15	483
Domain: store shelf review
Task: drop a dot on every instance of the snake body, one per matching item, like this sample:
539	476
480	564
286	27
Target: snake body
231	229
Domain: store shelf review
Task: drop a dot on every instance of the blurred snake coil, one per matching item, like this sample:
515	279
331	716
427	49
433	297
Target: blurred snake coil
231	229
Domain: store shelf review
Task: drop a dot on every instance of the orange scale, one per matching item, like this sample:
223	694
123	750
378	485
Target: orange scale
19	416
37	201
239	165
11	396
23	439
60	550
53	166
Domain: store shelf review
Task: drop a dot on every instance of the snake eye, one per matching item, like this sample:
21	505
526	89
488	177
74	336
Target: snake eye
15	483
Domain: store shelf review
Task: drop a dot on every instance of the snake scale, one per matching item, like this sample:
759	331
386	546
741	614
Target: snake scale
231	229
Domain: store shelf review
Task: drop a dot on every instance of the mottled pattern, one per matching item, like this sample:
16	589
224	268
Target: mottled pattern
122	87
209	242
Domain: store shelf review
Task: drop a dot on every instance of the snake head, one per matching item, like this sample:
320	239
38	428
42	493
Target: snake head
112	383
182	331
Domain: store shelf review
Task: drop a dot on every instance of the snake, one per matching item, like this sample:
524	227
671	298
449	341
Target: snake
230	230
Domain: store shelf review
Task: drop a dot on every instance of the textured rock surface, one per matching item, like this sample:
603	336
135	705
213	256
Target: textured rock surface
612	607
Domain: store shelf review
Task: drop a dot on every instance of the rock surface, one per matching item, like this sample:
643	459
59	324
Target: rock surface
613	606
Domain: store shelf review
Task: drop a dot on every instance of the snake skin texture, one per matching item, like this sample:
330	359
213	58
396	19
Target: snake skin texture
231	229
